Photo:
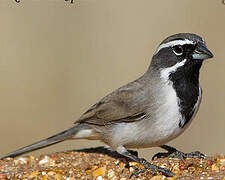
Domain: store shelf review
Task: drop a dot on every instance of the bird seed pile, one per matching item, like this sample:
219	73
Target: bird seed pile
100	164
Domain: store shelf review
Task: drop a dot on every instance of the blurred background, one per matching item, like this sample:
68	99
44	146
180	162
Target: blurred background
57	59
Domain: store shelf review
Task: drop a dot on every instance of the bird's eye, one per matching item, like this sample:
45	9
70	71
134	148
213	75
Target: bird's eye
178	50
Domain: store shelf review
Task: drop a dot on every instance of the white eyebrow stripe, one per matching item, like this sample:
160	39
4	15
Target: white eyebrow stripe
173	43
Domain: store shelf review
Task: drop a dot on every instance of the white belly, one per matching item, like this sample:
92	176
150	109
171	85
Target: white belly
161	126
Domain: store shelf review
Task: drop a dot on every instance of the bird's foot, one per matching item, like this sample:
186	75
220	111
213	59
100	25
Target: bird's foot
174	153
153	168
181	155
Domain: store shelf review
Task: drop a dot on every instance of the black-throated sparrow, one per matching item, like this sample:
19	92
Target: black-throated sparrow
150	111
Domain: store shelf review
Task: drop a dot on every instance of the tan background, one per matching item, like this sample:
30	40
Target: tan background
57	59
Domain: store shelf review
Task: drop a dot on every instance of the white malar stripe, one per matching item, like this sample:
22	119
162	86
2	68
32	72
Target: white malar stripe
173	43
167	71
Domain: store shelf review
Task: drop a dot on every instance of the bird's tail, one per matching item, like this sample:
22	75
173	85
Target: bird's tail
67	134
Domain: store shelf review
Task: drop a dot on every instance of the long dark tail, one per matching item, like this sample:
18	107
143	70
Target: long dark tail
67	134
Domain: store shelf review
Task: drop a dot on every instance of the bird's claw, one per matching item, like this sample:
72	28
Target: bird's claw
136	173
153	168
180	155
166	172
196	154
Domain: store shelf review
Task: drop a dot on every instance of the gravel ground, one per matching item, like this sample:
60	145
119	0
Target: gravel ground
99	164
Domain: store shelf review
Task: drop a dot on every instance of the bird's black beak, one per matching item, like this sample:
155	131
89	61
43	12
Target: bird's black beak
201	52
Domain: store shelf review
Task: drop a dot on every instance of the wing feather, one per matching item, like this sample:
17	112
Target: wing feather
126	104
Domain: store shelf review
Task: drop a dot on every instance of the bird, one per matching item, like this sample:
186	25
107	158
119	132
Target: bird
148	112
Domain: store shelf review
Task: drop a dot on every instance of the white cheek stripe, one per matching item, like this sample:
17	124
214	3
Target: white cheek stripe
167	71
173	43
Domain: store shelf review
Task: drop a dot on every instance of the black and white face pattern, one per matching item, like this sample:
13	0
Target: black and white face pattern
176	62
178	49
176	52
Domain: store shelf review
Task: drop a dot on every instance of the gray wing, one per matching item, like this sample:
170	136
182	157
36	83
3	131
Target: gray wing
126	104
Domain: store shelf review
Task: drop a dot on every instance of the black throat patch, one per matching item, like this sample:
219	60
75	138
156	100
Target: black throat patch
186	84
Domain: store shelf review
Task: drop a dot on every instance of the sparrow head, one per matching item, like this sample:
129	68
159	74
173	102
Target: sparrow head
182	49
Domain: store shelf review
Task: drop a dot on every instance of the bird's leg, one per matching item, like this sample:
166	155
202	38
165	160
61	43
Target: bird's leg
121	150
173	152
